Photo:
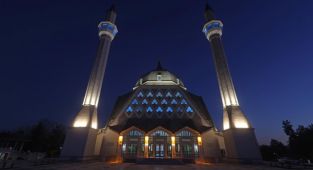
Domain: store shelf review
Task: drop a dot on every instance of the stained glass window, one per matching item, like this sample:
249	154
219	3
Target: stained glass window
129	109
134	101
169	109
163	101
184	133
189	109
159	109
135	133
178	94
149	109
154	102
183	102
149	94
140	94
168	94
159	133
159	95
144	101
173	101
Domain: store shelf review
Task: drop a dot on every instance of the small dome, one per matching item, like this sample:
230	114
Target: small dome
159	76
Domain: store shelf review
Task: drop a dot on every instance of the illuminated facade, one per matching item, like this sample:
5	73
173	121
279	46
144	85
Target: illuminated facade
159	118
239	137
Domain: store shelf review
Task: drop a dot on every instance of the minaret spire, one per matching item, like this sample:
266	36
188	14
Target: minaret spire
238	132
159	66
111	14
209	13
87	117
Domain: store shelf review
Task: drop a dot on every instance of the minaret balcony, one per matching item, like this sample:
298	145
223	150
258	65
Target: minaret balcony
212	27
107	28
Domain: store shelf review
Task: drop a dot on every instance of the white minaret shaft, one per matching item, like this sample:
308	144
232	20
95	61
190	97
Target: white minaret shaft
233	117
88	114
213	31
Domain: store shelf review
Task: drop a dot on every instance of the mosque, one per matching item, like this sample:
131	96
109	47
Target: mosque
159	118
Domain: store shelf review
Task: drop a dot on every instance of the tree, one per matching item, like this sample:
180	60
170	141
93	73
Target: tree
45	136
273	151
300	140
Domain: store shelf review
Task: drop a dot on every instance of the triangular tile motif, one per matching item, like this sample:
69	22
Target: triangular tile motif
150	94
159	95
144	102
140	95
169	95
161	102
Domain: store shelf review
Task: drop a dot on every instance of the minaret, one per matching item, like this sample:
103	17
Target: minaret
235	123
87	117
81	139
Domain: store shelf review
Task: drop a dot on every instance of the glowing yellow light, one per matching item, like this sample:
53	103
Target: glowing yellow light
146	140
94	125
120	140
226	124
173	140
199	140
241	123
80	123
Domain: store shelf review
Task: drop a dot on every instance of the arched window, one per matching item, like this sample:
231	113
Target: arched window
144	101
163	101
184	133
159	109
134	101
169	109
149	109
129	109
159	133
159	77
189	109
135	133
154	102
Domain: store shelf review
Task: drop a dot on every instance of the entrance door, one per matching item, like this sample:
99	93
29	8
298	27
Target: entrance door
159	150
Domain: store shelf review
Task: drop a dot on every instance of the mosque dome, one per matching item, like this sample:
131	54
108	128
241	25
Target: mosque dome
159	76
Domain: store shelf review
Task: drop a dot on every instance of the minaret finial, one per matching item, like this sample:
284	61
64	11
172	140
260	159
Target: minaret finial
209	13
111	14
159	66
112	8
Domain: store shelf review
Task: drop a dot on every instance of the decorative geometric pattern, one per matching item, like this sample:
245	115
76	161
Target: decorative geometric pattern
135	133
184	133
159	133
159	102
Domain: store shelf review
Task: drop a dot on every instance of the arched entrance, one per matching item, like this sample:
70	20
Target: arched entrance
132	143
187	143
159	144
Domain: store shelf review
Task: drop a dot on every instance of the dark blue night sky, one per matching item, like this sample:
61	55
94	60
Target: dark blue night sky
47	49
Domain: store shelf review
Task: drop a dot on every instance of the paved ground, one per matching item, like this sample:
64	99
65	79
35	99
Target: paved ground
130	166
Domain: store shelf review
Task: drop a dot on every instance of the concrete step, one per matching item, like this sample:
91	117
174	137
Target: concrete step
159	161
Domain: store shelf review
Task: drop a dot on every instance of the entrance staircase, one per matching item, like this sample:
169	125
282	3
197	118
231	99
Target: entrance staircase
162	161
